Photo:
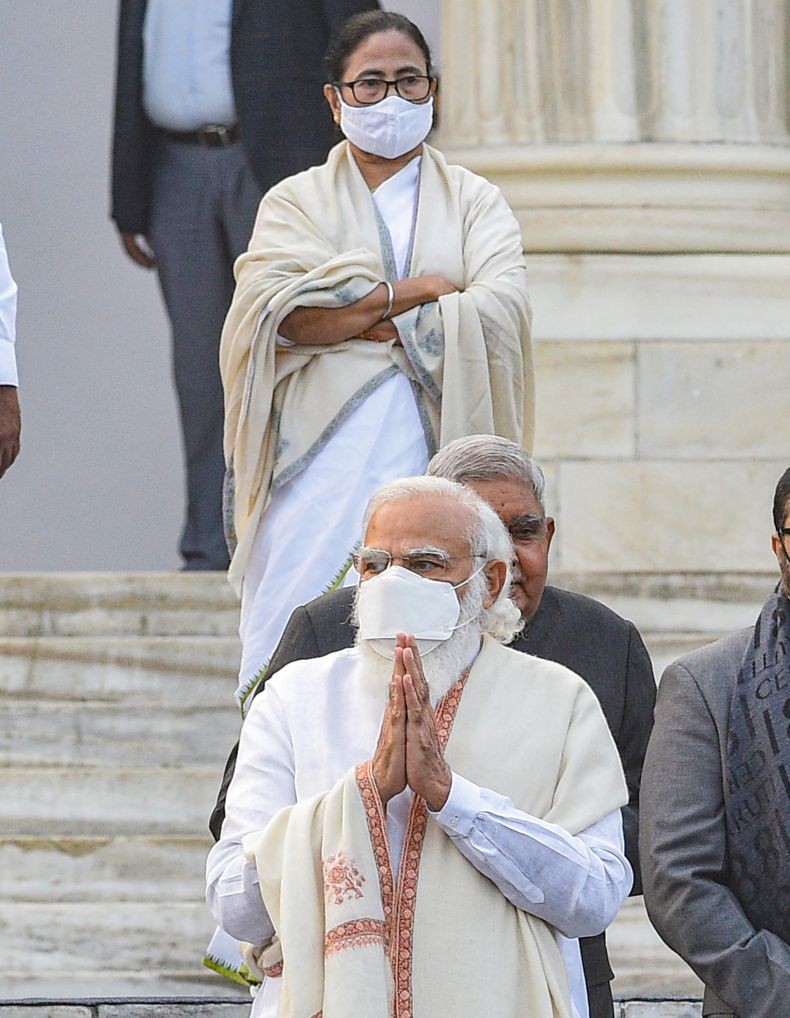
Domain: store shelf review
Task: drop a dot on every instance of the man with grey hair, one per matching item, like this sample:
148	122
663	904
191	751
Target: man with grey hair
368	781
558	625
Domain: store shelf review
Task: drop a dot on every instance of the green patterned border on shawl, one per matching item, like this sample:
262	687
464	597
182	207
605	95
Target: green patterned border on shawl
411	346
356	400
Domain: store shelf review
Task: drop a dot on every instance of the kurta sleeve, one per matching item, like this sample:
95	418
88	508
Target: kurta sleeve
263	783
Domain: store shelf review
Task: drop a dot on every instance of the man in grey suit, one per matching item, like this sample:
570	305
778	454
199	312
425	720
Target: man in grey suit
561	626
715	830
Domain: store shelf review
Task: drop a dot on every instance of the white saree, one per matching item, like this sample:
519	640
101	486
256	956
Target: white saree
312	431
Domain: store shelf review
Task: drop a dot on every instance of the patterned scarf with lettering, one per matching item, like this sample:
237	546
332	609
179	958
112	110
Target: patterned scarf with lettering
757	773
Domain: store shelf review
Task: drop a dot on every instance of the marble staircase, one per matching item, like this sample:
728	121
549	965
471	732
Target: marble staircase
116	715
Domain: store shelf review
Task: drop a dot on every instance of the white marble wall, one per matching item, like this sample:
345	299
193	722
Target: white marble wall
643	145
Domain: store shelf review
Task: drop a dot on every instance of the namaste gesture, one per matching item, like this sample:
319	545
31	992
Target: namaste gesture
408	750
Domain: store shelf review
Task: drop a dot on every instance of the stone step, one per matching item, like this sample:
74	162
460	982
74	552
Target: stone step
184	604
676	602
162	941
148	670
99	734
86	802
80	869
114	983
176	1007
664	648
150	937
642	963
208	1008
126	604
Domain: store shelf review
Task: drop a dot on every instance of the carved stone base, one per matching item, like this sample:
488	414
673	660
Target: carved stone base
642	198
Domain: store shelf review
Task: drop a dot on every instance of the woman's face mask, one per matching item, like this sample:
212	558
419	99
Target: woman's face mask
390	128
400	601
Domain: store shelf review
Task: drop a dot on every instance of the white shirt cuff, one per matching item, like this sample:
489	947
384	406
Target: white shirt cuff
465	801
8	372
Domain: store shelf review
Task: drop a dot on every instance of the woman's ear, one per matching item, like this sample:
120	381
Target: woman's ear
331	96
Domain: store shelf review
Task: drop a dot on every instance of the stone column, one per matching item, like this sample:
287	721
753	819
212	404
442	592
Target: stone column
625	124
644	147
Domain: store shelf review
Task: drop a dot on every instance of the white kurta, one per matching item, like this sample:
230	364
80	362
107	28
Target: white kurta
313	523
576	884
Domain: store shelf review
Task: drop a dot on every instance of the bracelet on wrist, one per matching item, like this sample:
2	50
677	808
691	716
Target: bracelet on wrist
390	300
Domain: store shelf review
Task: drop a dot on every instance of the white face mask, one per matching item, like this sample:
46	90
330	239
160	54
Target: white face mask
389	129
400	601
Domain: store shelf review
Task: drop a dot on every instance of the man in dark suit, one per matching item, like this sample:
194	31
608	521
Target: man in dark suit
568	628
215	103
716	807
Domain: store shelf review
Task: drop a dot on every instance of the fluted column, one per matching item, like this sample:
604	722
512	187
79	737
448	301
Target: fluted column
627	106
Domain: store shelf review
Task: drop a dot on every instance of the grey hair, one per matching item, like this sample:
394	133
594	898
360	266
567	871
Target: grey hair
486	457
487	536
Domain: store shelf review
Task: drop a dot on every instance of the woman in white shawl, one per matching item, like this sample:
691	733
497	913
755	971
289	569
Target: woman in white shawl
380	312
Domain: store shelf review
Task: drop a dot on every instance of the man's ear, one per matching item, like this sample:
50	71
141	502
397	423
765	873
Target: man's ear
495	574
778	550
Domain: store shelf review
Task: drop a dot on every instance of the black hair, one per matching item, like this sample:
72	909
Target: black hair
353	32
782	499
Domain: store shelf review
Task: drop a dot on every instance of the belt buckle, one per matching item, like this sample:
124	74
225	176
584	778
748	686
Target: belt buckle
214	135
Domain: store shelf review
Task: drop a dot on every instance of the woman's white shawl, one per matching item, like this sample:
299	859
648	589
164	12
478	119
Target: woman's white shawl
318	241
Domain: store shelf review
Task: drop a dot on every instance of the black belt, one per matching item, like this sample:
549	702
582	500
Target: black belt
210	136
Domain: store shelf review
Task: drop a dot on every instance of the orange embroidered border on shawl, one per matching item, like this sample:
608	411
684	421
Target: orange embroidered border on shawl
399	906
377	827
355	933
401	952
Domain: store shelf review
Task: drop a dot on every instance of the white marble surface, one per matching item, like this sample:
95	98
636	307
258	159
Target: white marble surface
667	516
585	399
713	401
716	297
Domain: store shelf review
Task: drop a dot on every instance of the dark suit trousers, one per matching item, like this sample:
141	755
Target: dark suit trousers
202	214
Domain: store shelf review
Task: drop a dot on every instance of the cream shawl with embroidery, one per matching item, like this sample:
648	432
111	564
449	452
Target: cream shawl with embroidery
318	242
445	940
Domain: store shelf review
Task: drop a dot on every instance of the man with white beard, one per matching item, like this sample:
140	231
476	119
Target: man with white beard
367	782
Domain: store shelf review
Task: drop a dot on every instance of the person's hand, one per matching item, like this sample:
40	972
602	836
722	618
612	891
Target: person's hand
427	772
435	287
389	760
381	332
10	426
139	254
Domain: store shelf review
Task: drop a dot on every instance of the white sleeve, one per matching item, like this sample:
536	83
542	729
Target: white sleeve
577	884
8	372
263	783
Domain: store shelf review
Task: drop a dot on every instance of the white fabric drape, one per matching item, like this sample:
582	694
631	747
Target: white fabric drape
576	883
312	524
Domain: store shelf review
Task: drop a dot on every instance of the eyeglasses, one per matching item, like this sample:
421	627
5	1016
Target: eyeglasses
368	91
370	562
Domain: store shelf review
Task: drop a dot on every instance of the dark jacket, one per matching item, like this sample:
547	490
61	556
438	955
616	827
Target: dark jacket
277	70
568	628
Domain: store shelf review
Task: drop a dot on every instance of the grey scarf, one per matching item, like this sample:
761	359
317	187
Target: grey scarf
757	773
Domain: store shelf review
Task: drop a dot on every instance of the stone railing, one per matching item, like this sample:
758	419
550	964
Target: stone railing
234	1007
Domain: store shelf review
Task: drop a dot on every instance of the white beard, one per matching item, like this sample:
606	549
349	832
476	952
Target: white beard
445	664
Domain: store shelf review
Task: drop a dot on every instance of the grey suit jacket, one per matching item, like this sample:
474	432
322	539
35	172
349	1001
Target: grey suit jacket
683	841
569	628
